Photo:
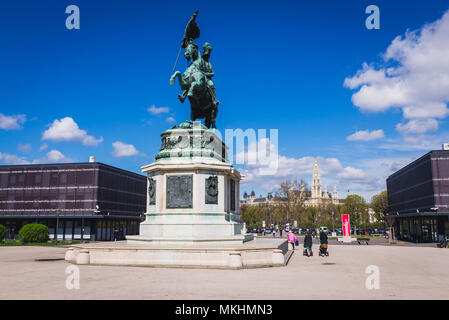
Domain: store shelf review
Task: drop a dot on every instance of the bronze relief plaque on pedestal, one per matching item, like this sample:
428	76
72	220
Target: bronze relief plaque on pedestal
212	190
152	190
179	191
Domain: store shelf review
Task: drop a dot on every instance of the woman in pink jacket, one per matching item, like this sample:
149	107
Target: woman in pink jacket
292	238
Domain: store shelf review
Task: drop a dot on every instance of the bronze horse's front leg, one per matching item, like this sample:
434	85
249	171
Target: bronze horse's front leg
184	86
172	78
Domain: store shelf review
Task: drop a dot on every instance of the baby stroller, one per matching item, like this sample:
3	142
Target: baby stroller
323	250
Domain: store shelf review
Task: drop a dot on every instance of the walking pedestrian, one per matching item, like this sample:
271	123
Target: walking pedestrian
323	237
292	238
308	243
116	234
323	243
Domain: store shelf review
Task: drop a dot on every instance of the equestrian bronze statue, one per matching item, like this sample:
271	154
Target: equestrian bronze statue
196	81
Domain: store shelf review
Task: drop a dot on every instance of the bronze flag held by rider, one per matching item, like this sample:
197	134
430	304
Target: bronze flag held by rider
196	81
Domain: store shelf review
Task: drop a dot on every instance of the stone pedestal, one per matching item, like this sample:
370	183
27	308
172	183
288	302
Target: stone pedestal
193	191
193	214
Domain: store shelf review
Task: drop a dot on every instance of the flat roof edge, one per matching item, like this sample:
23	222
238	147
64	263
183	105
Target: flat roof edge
35	165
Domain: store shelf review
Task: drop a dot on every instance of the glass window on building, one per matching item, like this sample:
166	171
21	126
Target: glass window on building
60	229
3	180
37	179
21	180
429	230
12	179
46	179
51	224
68	231
404	231
54	179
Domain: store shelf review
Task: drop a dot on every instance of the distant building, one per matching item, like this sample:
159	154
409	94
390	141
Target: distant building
89	199
418	198
315	197
371	216
318	197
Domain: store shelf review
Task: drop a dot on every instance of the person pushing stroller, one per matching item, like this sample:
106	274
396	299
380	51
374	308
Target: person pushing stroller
323	244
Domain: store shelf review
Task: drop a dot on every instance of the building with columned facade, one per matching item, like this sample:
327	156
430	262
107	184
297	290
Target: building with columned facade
86	200
418	198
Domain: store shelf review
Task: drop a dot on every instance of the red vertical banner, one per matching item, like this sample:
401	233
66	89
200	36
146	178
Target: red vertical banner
345	225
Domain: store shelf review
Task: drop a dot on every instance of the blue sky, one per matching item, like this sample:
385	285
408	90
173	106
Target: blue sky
103	90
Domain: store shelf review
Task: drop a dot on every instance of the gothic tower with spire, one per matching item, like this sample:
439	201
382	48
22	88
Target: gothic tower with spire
335	195
316	184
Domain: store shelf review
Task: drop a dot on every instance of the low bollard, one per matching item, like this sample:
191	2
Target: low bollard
235	260
278	257
70	255
83	257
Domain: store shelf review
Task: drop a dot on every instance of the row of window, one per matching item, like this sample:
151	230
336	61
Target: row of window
121	182
418	229
75	229
74	177
47	179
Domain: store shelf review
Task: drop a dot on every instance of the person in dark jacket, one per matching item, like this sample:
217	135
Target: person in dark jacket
116	234
308	243
323	237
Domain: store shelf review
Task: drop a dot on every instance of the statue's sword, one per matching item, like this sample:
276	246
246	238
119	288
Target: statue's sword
179	52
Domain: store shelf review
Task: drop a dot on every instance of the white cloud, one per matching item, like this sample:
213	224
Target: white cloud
53	156
12	159
268	170
170	119
43	147
417	126
420	142
366	179
124	150
418	83
158	110
66	129
366	135
24	147
350	173
12	122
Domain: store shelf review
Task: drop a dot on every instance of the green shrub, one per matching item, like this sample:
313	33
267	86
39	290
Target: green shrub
34	233
2	232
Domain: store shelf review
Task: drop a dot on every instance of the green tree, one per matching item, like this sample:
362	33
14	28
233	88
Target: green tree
2	232
379	203
251	216
34	233
291	197
310	216
357	208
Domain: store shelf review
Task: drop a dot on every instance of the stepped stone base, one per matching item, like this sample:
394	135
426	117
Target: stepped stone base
254	254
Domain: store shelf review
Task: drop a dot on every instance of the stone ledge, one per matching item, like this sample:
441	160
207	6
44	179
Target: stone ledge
229	257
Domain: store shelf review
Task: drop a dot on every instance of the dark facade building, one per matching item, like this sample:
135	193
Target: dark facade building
86	200
418	198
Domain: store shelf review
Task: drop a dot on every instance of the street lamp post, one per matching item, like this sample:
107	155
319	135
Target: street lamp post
97	211
57	225
319	221
333	222
82	227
